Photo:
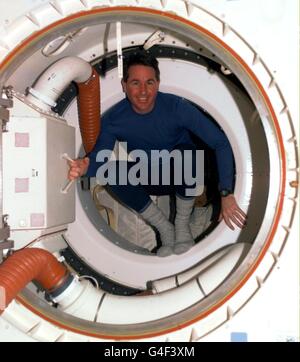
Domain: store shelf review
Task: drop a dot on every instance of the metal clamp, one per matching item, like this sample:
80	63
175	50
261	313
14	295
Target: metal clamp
7	244
155	38
4	114
4	235
4	245
4	104
8	101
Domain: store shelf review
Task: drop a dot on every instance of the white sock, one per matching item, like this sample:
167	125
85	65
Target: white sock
154	216
183	236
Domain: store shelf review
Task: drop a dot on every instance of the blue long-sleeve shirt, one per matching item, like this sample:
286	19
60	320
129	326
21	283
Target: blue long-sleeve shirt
167	125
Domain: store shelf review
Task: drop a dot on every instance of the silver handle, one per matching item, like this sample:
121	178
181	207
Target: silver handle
65	189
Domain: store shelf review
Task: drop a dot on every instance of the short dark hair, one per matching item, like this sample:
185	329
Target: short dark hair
140	58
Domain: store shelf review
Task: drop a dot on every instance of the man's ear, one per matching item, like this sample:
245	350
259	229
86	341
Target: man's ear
123	85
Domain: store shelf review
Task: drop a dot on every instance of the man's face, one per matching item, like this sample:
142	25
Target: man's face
141	88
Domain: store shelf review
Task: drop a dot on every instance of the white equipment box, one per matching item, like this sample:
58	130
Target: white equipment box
34	171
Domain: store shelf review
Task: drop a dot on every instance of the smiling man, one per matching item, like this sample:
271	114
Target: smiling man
149	120
141	83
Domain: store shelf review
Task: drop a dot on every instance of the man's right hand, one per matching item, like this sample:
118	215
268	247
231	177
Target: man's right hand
78	167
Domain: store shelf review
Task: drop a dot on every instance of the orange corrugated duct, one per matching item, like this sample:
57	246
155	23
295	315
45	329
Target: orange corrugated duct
89	111
30	264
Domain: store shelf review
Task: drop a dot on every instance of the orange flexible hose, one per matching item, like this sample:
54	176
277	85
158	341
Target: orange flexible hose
30	264
89	111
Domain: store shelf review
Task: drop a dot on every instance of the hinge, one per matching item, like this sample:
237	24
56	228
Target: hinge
5	244
6	103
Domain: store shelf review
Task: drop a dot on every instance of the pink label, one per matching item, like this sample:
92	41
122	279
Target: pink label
2	298
37	220
21	139
22	185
